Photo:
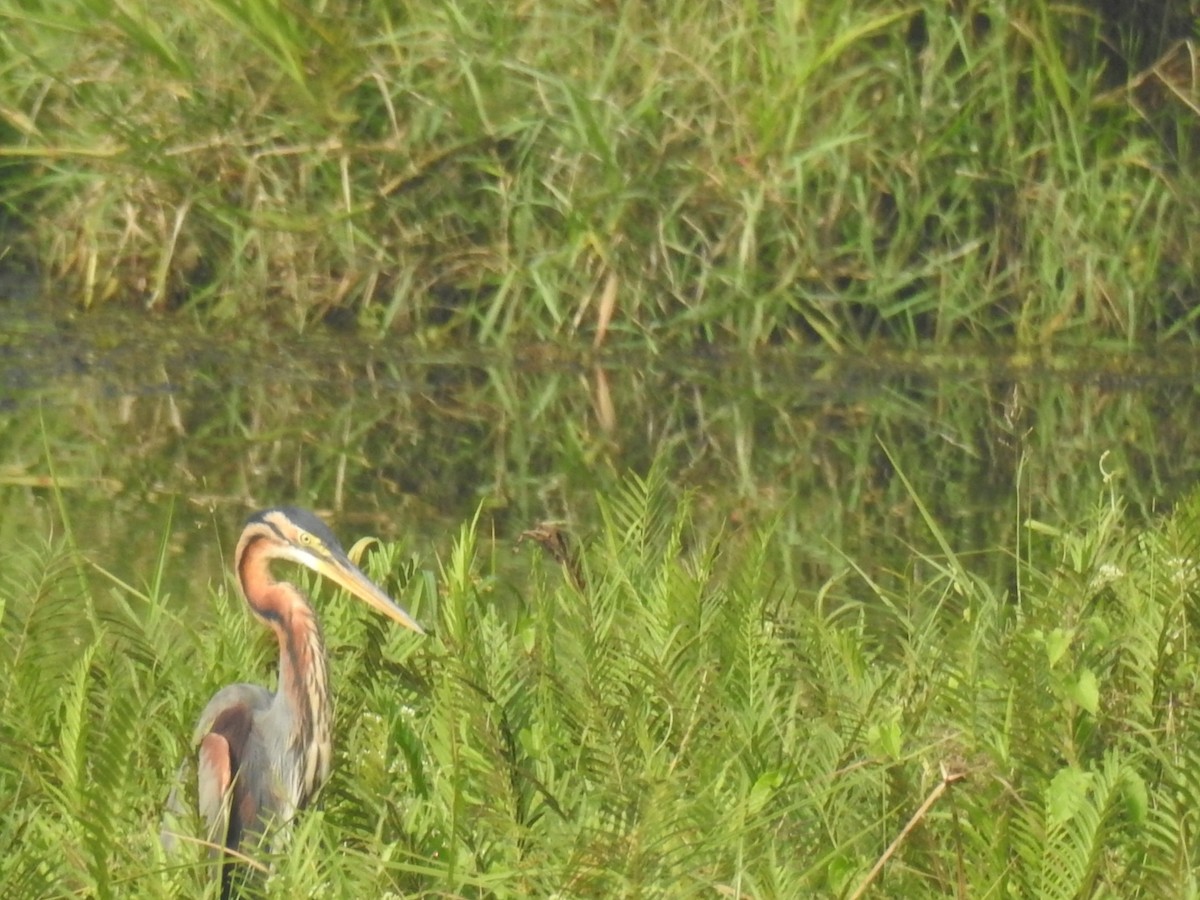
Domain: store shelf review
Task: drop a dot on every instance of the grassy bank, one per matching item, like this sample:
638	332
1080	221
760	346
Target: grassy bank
685	173
678	720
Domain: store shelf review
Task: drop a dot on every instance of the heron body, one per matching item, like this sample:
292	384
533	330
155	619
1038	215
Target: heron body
262	755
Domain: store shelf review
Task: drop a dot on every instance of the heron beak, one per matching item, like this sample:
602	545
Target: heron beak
349	576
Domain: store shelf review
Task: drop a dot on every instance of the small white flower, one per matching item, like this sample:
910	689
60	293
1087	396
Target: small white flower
1183	570
1107	573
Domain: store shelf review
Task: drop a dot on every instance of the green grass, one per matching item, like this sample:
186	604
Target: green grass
717	172
686	721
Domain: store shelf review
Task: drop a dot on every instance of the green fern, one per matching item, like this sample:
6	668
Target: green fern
682	721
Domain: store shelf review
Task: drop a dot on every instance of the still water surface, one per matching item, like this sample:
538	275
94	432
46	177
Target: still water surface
152	429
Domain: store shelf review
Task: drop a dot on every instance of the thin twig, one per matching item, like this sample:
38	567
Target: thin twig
948	778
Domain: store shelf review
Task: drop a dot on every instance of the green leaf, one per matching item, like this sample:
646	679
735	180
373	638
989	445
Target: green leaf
885	739
1085	691
1058	642
1067	794
762	791
1137	796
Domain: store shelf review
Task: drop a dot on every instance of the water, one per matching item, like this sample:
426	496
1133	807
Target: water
153	429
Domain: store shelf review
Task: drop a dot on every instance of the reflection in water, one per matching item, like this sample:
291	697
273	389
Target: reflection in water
146	425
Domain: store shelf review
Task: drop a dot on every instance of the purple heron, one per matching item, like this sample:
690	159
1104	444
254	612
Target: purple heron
262	756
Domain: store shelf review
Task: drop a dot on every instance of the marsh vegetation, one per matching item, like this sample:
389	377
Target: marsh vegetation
814	330
811	612
748	175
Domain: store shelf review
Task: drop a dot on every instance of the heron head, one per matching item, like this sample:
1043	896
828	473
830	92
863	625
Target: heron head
298	536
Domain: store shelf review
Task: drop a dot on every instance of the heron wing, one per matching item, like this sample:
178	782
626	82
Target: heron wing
223	736
251	696
215	774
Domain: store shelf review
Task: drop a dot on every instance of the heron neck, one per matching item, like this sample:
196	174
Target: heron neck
302	706
302	698
303	685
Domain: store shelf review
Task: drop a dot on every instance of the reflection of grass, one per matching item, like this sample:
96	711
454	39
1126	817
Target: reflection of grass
402	447
686	720
829	173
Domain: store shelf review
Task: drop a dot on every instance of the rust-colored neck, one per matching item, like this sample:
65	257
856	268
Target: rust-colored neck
302	702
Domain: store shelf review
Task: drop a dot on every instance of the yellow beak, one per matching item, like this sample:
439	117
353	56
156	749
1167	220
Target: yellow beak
349	576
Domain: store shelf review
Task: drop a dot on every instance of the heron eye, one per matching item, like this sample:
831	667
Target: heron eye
305	538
